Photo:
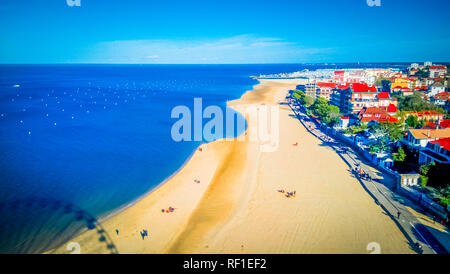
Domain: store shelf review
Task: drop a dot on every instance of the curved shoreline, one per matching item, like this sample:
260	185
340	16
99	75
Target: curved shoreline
129	205
117	211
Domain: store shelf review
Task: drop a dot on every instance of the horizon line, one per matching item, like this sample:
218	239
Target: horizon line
182	64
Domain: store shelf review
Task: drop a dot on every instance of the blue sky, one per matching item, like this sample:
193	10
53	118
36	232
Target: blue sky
225	31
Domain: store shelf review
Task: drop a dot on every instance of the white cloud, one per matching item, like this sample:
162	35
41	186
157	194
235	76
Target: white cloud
233	50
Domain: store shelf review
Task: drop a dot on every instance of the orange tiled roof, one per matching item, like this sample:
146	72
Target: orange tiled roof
430	133
376	114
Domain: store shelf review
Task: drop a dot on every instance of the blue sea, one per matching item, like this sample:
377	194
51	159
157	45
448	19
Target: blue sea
78	142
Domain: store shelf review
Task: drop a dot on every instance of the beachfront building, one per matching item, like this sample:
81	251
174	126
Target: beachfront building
436	151
339	96
360	96
351	98
325	90
374	115
418	139
438	71
311	89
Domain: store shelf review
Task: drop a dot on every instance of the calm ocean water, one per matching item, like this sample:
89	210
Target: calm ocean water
88	139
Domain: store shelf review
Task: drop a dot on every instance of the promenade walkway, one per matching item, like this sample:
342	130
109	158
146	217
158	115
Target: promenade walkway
383	194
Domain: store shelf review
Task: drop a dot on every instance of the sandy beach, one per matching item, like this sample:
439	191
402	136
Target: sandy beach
226	199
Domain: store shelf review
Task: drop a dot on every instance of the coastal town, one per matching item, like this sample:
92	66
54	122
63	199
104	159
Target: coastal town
341	181
396	118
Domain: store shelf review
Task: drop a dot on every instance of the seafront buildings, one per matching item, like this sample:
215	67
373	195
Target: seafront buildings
388	110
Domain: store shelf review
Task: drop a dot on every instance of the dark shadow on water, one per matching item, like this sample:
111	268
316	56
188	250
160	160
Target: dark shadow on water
54	223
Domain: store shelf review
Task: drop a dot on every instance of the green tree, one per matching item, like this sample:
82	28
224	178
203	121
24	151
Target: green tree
308	101
392	131
400	156
334	113
424	169
297	94
423	181
327	113
412	122
416	102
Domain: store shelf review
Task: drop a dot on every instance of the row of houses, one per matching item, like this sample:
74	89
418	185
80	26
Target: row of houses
352	98
351	92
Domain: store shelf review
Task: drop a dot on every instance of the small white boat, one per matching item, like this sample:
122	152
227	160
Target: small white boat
16	86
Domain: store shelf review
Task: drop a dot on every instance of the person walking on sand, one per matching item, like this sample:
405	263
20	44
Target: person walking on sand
117	232
398	214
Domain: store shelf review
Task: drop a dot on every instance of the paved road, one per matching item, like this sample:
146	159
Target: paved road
383	195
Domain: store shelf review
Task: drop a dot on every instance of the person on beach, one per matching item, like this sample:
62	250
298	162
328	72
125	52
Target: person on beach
117	231
144	233
398	214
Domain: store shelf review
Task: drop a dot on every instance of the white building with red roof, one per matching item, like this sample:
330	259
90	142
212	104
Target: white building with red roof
361	95
372	115
441	99
438	71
